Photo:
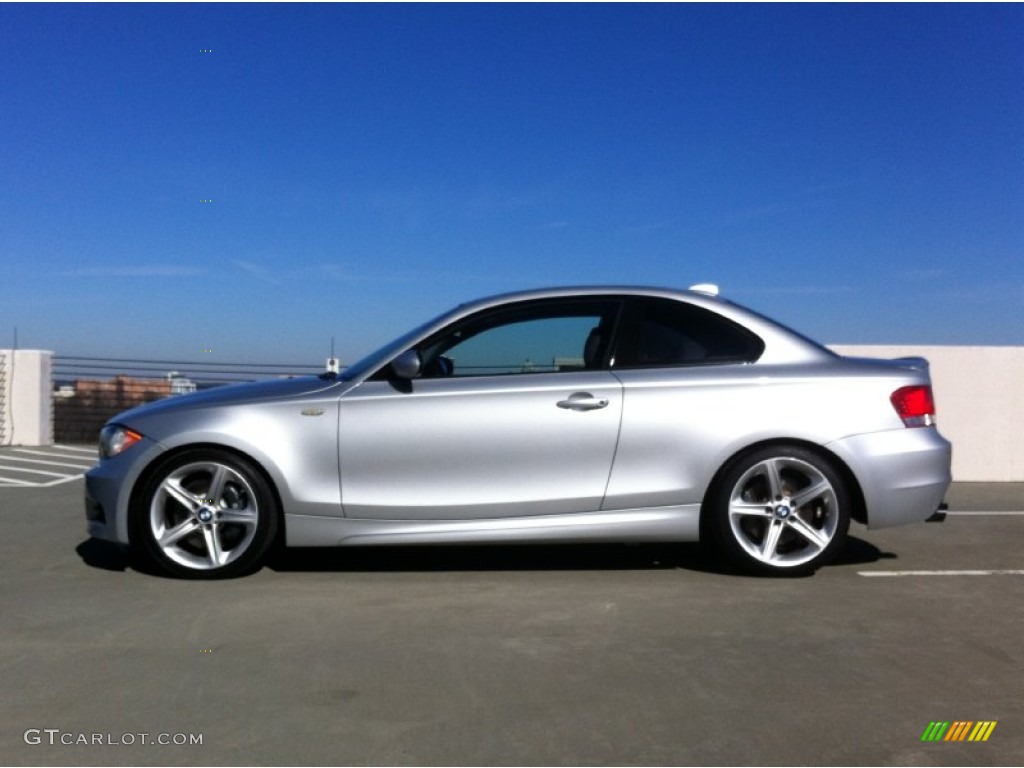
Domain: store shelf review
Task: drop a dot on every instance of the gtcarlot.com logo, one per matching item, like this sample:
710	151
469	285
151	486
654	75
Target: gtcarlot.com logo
958	730
57	737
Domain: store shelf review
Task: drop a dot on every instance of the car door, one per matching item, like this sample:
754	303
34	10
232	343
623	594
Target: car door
689	392
514	413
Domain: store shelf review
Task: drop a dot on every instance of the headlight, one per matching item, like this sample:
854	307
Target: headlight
115	439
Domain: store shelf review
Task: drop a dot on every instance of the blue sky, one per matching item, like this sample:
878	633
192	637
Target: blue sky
856	171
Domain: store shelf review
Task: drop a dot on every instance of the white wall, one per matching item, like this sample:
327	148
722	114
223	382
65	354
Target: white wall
26	402
979	399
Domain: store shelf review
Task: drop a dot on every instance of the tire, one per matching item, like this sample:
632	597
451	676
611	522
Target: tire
204	514
780	510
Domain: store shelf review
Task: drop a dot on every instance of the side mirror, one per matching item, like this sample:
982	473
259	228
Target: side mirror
407	365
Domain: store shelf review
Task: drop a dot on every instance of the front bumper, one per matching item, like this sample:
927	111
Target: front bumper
903	473
108	488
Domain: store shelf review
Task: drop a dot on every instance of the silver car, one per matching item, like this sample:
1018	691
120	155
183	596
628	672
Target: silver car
613	414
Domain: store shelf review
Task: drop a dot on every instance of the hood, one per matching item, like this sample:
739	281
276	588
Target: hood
233	394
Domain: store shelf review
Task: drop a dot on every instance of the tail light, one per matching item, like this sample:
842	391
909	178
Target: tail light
915	405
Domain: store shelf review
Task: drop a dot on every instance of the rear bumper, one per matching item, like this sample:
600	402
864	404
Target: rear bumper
903	473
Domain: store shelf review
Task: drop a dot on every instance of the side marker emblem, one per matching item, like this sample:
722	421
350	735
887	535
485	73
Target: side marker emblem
313	412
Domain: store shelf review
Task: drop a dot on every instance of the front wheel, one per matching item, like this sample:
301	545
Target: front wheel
781	510
205	514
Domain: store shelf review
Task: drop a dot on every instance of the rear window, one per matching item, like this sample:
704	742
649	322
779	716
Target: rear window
662	332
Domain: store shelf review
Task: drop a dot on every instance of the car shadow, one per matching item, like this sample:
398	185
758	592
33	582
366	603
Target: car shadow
529	557
107	556
492	557
860	552
104	555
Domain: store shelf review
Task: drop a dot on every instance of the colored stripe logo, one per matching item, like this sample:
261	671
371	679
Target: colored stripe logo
959	730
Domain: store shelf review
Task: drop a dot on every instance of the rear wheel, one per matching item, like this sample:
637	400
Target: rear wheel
205	514
781	510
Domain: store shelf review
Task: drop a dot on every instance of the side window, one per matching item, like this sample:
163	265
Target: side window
541	337
663	332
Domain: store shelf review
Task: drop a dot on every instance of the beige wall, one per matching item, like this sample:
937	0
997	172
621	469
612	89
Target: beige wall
979	396
26	405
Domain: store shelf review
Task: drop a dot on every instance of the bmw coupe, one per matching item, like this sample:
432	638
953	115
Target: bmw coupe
615	414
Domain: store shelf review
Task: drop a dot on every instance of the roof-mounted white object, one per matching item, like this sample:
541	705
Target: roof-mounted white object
709	288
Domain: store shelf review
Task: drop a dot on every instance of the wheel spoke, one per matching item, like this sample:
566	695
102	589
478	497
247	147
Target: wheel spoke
809	494
771	540
220	476
173	535
744	508
213	550
247	517
772	472
173	489
816	538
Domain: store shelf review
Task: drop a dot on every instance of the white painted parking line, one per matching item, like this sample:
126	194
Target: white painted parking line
49	449
79	448
984	572
55	451
990	512
76	455
34	471
50	463
61	481
8	482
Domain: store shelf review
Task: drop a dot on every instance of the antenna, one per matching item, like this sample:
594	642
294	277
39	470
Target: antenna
333	364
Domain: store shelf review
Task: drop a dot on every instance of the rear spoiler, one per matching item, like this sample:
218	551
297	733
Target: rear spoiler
914	363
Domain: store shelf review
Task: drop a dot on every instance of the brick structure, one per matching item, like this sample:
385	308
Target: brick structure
78	419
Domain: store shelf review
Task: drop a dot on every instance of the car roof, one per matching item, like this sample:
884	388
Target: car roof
570	291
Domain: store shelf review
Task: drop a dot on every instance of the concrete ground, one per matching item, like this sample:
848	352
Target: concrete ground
600	655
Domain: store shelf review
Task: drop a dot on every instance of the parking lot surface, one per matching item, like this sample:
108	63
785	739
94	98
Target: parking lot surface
599	655
22	466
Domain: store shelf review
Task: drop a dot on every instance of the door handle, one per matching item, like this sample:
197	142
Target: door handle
582	401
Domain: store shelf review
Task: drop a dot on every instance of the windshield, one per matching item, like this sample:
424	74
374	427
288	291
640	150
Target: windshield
388	352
